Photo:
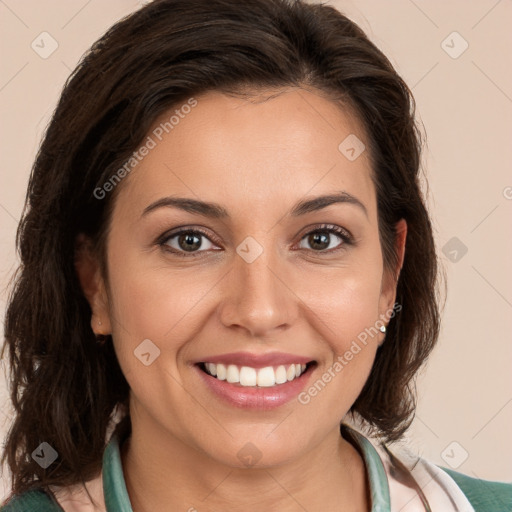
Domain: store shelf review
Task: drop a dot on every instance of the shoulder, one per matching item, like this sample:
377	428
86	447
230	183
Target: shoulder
73	498
484	495
444	489
29	501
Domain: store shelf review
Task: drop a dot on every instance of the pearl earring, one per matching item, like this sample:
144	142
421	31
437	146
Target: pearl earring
382	328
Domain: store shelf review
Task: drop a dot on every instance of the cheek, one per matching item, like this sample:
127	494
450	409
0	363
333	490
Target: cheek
353	308
344	301
347	325
152	324
348	316
154	304
169	307
343	309
150	296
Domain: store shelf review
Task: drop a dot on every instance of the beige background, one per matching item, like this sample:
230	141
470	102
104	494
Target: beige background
464	413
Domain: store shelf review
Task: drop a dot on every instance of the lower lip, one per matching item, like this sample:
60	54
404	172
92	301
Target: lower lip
262	398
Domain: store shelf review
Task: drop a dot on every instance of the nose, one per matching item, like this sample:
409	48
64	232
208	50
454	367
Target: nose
258	296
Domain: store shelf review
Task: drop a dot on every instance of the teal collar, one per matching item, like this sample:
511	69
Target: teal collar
114	486
375	472
117	499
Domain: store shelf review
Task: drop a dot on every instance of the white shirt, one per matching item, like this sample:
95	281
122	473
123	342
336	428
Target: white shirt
388	488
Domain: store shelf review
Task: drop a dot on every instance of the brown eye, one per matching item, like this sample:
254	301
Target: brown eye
187	241
323	239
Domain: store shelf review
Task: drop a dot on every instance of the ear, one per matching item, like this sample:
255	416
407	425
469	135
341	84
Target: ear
390	279
92	283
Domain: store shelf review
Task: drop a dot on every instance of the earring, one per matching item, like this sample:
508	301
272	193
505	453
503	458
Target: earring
382	328
100	338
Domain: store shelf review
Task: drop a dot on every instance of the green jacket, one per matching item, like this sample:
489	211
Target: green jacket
484	495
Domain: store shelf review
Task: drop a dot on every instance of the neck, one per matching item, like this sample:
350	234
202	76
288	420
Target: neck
163	473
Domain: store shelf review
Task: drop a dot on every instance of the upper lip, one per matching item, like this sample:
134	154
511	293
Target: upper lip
256	360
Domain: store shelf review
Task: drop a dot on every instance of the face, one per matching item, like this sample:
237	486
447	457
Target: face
270	289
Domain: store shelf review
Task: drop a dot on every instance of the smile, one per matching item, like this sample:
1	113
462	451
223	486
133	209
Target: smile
248	376
254	381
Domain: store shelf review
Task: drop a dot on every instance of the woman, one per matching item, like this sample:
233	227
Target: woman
227	267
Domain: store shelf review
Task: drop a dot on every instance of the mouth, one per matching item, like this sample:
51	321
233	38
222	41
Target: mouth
254	383
250	377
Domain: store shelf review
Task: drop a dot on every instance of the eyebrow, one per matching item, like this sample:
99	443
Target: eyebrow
216	211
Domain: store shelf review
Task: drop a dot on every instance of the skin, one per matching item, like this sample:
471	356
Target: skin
256	159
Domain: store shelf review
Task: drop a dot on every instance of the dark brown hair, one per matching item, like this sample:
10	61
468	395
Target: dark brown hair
65	386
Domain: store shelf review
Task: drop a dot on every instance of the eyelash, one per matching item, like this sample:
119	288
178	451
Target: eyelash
324	228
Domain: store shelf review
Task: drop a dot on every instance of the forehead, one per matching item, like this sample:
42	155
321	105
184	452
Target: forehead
256	152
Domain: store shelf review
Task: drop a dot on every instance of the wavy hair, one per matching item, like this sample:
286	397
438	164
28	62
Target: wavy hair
65	387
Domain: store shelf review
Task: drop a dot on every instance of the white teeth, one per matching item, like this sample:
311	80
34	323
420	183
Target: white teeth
262	377
281	375
232	374
266	377
248	376
220	370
